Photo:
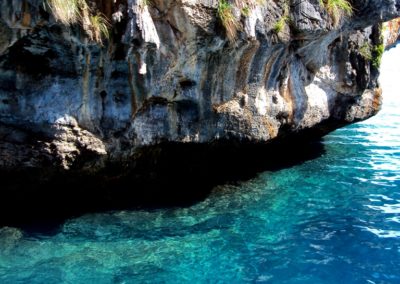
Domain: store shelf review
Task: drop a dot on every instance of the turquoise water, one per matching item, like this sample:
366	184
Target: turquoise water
334	219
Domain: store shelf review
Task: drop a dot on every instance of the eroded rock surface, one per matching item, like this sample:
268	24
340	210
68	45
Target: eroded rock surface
169	74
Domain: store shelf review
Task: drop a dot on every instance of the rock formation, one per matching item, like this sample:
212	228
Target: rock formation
392	33
168	73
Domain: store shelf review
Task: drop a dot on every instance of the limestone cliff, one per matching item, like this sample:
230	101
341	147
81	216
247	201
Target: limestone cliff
168	73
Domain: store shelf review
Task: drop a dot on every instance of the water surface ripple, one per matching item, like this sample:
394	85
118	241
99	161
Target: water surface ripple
334	219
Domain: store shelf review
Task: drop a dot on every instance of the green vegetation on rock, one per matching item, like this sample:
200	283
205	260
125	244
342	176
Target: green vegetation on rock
280	25
337	9
246	11
377	55
366	51
372	54
228	20
100	27
71	12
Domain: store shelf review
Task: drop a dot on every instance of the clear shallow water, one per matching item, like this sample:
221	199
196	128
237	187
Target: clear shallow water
334	219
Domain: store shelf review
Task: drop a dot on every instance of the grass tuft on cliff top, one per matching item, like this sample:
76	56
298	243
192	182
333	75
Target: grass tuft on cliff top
228	19
99	26
65	11
71	12
337	9
230	22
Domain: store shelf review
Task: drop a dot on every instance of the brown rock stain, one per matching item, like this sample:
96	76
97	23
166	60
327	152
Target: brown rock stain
244	65
268	66
394	28
377	101
26	16
272	130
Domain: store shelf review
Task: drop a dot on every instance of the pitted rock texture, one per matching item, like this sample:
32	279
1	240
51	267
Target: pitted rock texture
392	32
169	74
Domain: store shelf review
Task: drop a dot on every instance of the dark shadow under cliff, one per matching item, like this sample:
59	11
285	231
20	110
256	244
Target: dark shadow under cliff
165	176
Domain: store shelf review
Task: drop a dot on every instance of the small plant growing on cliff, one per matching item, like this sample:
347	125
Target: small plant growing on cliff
337	9
71	12
377	55
245	11
65	11
280	25
145	3
372	54
99	27
228	20
365	51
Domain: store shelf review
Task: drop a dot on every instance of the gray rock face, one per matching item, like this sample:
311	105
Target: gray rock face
168	74
9	238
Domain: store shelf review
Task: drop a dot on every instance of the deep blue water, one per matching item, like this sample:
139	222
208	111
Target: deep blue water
334	219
